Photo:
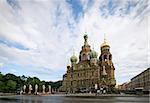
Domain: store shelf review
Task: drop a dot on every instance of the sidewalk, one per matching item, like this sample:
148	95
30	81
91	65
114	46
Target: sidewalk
102	95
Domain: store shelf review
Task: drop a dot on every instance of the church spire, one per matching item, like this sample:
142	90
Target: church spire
93	46
105	43
85	39
73	51
105	37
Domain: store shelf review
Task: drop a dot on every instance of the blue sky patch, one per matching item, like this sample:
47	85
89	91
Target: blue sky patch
112	7
13	44
90	3
13	68
77	8
14	4
108	8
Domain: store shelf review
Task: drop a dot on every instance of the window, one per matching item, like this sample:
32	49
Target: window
71	83
92	73
110	57
84	74
105	57
83	57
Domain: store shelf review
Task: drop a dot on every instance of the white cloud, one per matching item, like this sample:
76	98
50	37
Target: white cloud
1	65
50	32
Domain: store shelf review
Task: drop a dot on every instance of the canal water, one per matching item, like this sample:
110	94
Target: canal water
72	99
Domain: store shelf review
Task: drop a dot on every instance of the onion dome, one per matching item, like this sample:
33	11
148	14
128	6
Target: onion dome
68	66
73	58
93	54
85	36
105	43
85	39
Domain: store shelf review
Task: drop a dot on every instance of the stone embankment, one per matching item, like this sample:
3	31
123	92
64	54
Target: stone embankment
7	94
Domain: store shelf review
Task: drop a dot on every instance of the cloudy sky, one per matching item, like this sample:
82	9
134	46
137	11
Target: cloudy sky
37	37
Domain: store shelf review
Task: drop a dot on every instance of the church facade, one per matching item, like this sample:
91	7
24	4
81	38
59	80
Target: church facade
90	71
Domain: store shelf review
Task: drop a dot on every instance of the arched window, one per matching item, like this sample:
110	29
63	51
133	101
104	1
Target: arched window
83	57
88	57
105	58
110	57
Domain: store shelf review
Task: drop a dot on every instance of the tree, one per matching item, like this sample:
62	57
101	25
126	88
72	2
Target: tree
2	86
10	76
57	84
11	85
1	76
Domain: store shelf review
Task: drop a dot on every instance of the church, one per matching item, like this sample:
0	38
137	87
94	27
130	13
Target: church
89	72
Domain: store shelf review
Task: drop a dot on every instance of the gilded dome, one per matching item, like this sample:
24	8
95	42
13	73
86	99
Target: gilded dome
105	43
93	54
68	65
73	58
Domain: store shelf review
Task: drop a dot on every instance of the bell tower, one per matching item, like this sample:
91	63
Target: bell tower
107	65
106	56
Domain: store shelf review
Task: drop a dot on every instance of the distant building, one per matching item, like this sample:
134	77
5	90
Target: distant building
90	72
141	80
124	86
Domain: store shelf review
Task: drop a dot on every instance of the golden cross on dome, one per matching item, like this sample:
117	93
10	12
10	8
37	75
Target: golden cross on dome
104	37
85	30
93	46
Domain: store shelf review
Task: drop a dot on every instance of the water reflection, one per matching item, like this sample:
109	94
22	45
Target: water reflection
64	99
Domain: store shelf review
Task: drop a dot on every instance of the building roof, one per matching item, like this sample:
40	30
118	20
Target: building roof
140	73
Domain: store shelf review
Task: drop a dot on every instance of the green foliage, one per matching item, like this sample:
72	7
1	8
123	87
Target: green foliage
1	76
12	83
57	84
2	86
